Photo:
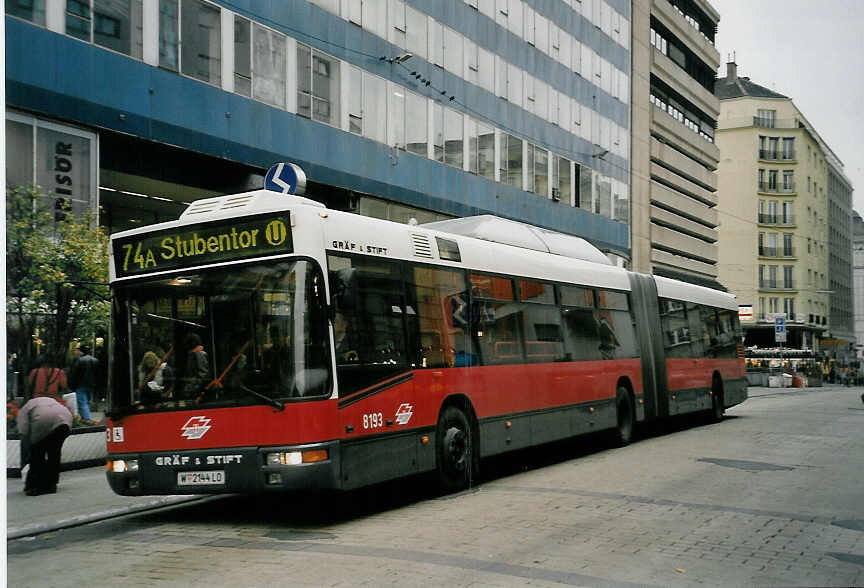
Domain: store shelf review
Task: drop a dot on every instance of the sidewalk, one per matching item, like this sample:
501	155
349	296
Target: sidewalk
83	496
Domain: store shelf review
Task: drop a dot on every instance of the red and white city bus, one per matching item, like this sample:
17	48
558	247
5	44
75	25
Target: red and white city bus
263	342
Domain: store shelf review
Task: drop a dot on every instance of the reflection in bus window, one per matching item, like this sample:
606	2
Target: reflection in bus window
495	320
262	329
441	319
581	337
676	329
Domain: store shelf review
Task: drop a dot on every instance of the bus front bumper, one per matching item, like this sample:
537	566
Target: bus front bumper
243	470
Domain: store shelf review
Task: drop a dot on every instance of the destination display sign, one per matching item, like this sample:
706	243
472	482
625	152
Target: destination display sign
201	244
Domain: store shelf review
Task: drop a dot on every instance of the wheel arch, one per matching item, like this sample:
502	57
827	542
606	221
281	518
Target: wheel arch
463	403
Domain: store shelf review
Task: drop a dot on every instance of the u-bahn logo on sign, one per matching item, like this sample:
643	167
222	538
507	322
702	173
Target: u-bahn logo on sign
403	413
195	428
276	232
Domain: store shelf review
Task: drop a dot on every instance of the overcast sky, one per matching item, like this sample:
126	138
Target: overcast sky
812	52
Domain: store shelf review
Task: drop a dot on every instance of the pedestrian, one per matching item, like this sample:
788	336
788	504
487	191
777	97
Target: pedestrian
84	375
46	380
44	425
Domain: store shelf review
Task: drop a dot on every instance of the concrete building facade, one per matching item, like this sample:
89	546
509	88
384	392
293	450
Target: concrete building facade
674	158
394	108
775	245
858	279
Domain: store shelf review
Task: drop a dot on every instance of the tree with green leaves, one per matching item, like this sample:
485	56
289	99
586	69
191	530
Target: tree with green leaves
56	276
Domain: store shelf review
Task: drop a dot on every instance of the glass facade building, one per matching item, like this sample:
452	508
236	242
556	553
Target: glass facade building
394	108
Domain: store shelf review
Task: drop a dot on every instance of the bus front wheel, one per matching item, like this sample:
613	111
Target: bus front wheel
455	450
626	417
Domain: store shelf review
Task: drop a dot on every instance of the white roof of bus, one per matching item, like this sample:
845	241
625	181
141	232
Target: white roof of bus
525	252
668	288
509	232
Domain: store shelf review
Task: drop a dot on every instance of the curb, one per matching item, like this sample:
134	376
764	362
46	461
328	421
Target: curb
76	521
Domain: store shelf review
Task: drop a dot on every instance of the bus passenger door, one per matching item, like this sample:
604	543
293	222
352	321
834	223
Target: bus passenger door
375	381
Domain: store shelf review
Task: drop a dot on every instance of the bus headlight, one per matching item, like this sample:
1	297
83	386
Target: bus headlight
118	466
297	457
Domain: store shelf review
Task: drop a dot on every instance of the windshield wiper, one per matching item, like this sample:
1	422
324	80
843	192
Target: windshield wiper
271	401
174	320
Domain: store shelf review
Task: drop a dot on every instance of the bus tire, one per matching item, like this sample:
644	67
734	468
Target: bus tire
625	416
717	408
454	450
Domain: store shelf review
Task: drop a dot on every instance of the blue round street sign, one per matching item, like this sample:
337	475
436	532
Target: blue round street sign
286	178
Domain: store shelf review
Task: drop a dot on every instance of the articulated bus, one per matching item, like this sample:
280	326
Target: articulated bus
263	342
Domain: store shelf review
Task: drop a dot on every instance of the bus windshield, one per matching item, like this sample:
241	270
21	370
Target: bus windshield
222	337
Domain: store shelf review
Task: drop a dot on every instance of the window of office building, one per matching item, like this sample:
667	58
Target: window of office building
415	34
453	52
318	85
604	197
78	19
788	180
437	132
396	116
117	25
374	17
242	56
354	96
585	195
436	43
486	151
510	167
416	124
561	179
485	69
201	35
538	170
32	10
169	38
453	137
397	21
268	83
374	108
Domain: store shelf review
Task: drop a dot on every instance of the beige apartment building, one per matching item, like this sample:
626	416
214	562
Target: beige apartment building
774	217
674	159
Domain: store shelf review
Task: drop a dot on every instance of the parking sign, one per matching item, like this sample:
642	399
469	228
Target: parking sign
779	329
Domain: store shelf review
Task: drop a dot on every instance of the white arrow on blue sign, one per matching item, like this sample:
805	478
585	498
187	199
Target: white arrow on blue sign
780	329
286	178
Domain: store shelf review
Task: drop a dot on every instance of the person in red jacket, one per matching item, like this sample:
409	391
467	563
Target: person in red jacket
46	380
44	424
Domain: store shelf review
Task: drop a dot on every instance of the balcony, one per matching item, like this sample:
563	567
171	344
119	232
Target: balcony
775	155
774	188
776	251
775	285
787	220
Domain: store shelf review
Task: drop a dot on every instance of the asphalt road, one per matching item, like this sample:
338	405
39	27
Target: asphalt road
773	495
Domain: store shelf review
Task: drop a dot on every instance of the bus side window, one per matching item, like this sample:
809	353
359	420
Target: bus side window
495	327
581	337
676	328
541	322
439	325
615	325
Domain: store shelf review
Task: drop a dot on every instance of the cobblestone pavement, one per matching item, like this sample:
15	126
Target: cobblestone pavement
773	495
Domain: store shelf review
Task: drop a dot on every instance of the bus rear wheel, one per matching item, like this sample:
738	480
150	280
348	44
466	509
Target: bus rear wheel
455	450
625	416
